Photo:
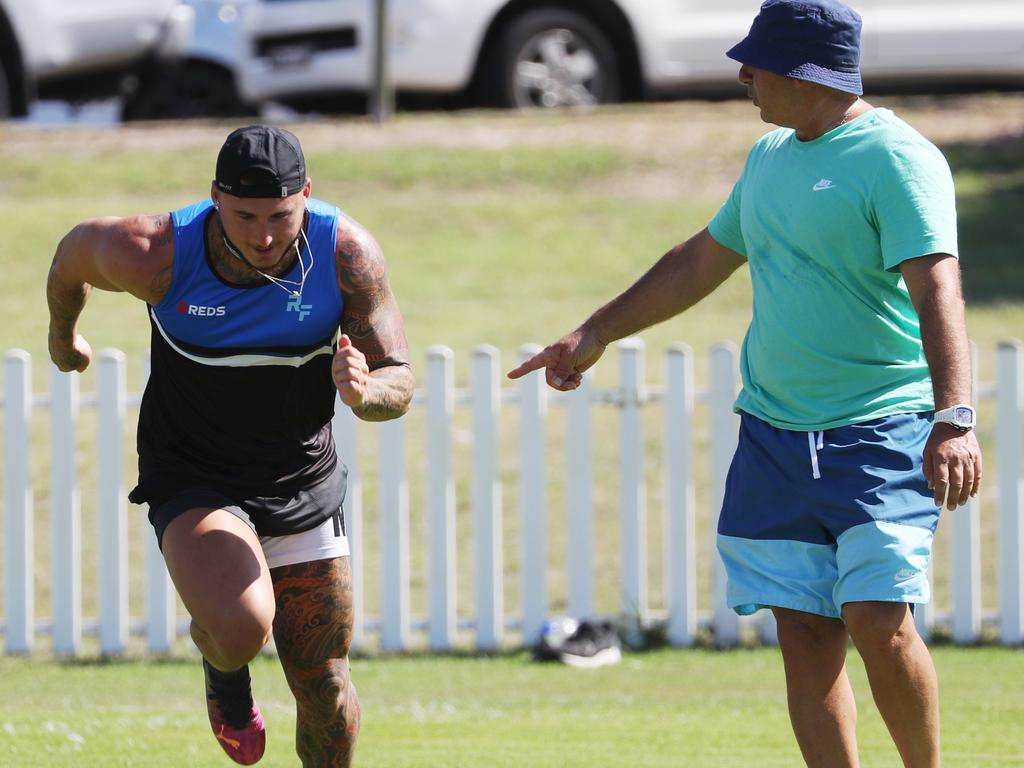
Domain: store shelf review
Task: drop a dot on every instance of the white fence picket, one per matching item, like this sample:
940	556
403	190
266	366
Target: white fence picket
393	495
489	620
486	499
112	531
680	498
440	497
65	513
632	487
18	539
1010	413
579	500
532	500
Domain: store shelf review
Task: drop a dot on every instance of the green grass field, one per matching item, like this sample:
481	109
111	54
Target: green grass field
698	709
501	229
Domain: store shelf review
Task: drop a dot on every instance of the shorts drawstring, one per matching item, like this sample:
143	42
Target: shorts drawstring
815	445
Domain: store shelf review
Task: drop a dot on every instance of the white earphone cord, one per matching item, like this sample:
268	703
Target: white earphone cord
280	281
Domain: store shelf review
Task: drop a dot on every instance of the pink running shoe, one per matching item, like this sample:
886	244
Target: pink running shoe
234	717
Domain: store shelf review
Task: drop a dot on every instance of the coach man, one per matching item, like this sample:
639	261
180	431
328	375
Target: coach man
856	425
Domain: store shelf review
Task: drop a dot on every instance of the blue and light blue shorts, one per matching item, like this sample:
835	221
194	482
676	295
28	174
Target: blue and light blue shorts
814	520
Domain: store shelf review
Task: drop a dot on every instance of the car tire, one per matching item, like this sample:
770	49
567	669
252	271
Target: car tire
187	90
552	57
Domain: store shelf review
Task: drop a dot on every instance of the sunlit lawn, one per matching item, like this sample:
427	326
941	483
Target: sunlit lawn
693	708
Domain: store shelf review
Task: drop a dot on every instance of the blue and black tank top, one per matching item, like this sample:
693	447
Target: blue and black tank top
240	396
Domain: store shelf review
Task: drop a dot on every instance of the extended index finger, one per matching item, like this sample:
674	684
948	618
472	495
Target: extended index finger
542	359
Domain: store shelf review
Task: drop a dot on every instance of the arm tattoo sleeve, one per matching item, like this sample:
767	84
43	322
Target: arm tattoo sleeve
374	322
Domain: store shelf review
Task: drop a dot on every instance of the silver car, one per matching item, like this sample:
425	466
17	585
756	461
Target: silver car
76	50
553	53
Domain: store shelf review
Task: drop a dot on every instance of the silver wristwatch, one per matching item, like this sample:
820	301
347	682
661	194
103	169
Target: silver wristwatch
961	416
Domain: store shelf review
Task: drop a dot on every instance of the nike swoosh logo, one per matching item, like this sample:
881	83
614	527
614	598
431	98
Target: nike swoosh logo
823	184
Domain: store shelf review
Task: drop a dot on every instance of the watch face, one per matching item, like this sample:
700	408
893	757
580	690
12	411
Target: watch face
963	416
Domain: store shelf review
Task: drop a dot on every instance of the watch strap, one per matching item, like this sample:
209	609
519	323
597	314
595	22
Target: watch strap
962	416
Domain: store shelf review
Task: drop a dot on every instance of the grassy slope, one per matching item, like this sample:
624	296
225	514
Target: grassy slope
500	229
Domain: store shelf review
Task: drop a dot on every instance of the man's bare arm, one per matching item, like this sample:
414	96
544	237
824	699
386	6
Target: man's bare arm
133	255
677	281
380	385
952	459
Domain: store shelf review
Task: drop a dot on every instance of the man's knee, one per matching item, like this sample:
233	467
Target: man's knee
317	654
235	638
807	631
324	693
880	625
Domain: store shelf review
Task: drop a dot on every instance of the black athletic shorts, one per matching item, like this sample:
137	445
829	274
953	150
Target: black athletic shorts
266	515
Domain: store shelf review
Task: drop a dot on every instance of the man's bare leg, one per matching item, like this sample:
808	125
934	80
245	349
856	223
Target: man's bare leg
902	676
218	568
217	565
821	704
313	632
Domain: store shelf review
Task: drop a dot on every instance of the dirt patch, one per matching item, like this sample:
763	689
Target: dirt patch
665	130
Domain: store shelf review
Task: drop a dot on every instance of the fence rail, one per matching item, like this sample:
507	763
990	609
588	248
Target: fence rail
486	398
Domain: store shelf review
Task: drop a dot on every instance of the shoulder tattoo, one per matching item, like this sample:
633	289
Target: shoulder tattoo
163	234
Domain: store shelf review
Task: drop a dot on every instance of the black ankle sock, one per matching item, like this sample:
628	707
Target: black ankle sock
237	680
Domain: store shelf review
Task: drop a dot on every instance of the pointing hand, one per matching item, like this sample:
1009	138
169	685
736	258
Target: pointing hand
565	360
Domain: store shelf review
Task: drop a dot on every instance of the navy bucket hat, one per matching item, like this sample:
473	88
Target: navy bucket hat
813	40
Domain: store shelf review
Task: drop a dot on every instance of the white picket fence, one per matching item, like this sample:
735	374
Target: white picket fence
491	624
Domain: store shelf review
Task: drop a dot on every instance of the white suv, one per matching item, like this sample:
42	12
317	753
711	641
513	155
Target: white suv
80	49
549	53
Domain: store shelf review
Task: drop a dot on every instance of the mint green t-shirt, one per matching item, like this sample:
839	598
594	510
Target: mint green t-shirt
824	225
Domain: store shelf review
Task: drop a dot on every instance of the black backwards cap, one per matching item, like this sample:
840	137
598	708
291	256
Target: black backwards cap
261	161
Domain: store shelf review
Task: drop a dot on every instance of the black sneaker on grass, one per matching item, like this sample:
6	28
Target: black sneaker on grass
593	644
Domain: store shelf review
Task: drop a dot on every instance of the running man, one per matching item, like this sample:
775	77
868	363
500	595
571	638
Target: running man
246	294
856	424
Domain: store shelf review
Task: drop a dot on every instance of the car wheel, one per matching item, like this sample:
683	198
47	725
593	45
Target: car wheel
191	89
553	57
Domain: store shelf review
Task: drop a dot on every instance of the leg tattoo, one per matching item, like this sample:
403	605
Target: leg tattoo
313	630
